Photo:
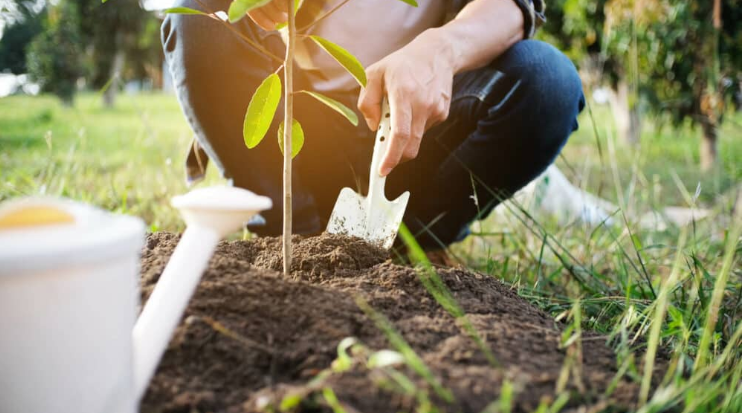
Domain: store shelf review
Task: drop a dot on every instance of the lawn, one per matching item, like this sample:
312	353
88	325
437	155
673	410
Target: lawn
675	292
129	159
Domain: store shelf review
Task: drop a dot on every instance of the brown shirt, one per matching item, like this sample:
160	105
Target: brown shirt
369	30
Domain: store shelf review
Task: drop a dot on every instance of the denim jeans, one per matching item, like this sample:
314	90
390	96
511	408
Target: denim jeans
507	123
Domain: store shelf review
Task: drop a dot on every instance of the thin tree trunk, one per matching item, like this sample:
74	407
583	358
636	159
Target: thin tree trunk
68	100
109	96
626	114
288	120
708	149
710	101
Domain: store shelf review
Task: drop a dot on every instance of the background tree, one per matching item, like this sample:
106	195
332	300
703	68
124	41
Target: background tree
54	57
144	56
686	61
108	44
579	28
114	34
23	24
677	60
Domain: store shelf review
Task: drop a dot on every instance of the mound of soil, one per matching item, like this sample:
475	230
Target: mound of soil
252	336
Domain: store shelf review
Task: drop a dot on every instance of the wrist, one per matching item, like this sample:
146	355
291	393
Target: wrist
441	42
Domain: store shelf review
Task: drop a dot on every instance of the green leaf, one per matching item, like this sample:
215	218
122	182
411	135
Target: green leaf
261	110
332	400
335	105
342	56
344	361
297	137
410	2
290	401
183	10
238	8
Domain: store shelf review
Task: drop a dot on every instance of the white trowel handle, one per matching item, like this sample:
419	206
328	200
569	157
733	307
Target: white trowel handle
376	182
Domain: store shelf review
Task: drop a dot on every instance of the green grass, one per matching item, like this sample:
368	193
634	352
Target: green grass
676	292
663	152
128	159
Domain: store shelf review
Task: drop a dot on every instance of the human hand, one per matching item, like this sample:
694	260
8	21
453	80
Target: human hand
417	80
269	16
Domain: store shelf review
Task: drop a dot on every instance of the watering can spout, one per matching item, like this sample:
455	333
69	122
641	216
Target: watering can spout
210	214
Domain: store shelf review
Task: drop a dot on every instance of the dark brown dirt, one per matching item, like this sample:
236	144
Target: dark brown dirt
252	336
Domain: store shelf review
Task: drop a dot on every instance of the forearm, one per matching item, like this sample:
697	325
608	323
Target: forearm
481	32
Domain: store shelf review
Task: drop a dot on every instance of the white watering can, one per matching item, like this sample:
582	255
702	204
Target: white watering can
70	339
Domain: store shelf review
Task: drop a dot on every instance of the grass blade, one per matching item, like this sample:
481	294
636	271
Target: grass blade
713	308
398	342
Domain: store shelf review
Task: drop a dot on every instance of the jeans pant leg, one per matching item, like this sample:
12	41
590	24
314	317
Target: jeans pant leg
215	73
507	123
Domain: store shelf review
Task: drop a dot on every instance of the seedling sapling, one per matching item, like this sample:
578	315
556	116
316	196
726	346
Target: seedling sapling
264	102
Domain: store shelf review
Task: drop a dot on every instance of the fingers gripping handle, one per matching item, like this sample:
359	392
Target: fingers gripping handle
376	182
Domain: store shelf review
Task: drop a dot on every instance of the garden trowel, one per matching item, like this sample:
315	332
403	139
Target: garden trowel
372	217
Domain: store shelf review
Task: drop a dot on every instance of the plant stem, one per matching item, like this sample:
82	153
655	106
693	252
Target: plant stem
323	16
288	120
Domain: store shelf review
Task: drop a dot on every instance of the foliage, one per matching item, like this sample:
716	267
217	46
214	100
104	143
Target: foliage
669	36
264	102
575	27
17	36
297	138
55	56
335	105
261	110
144	56
119	26
238	8
674	58
345	59
90	38
679	59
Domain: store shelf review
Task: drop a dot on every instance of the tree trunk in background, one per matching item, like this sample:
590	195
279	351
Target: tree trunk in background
109	96
626	113
708	148
710	105
155	73
68	101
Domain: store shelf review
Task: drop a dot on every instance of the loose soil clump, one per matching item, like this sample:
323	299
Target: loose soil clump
252	337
